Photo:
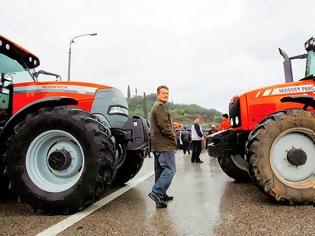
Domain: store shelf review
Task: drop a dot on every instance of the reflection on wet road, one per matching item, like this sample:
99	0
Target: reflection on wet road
206	202
197	190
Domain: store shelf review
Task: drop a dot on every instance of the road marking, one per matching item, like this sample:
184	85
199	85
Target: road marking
69	221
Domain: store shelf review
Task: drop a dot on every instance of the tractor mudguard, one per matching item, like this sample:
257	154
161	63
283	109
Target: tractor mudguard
137	132
227	141
35	106
307	100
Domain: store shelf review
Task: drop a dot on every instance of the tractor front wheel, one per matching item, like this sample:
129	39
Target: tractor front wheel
281	155
60	159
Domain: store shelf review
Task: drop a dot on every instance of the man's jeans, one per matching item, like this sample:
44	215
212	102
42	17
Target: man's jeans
166	160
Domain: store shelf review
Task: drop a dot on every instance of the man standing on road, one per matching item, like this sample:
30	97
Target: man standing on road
163	144
197	138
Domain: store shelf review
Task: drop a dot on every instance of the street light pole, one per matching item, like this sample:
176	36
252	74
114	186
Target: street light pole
72	41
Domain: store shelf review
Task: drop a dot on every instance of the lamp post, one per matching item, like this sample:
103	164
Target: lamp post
72	41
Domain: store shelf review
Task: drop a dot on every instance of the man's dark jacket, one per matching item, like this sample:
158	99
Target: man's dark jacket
163	138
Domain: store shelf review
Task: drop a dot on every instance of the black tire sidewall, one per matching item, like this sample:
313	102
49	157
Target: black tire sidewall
227	165
130	167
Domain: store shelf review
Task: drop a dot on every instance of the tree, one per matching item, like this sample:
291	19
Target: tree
145	106
128	92
183	113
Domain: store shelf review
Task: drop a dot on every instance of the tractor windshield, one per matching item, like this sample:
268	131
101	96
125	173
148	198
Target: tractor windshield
14	68
310	64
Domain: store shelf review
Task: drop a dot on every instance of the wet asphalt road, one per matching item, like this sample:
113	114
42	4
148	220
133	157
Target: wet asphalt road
206	202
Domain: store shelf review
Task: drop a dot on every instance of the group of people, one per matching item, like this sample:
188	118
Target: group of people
163	146
196	137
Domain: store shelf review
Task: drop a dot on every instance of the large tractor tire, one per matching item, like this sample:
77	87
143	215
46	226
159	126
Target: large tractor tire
4	182
60	160
235	167
131	166
281	152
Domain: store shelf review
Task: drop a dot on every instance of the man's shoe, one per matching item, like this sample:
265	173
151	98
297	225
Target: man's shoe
199	161
167	198
158	205
158	200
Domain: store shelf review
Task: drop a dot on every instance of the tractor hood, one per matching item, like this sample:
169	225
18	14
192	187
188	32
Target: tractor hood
304	86
84	93
250	108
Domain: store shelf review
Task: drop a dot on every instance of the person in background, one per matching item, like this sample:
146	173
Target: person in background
185	137
225	124
212	129
197	139
163	146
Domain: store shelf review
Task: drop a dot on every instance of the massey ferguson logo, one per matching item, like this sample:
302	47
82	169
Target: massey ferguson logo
293	89
56	88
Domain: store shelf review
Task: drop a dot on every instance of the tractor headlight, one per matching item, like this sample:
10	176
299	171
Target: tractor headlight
237	120
118	110
235	112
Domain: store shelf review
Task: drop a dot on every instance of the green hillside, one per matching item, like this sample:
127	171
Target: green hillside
183	113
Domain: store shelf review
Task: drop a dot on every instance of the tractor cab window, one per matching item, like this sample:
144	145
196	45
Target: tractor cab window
14	68
310	64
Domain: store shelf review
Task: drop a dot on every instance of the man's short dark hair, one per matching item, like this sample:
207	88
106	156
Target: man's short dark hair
226	116
161	87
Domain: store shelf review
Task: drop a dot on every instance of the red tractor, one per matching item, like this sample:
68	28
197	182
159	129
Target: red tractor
272	138
62	143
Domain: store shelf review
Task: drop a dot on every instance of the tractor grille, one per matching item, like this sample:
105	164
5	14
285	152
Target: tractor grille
235	112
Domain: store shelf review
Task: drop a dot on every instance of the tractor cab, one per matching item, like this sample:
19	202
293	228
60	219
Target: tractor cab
310	61
15	63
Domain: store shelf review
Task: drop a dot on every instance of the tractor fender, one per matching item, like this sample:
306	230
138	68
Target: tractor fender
307	100
34	106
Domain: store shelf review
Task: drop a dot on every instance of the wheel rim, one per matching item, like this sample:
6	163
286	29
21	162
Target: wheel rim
294	174
46	149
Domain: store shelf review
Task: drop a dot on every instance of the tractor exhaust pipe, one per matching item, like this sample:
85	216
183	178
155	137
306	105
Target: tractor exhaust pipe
287	66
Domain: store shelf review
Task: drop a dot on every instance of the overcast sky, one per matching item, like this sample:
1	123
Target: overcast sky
205	51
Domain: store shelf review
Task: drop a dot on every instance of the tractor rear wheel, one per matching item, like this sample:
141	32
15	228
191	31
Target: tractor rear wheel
281	156
235	167
131	166
60	159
